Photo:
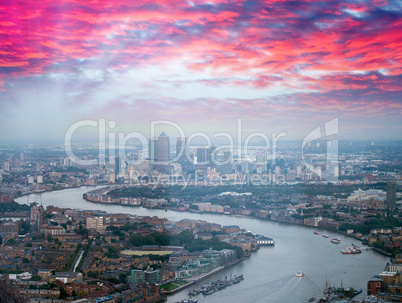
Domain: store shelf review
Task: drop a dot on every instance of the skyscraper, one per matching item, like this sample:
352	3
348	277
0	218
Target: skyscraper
182	154
117	166
163	148
212	156
202	156
391	194
153	150
261	161
225	164
206	156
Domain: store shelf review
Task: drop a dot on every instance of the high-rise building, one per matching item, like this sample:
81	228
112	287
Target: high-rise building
117	166
137	276
202	155
225	166
207	156
261	161
212	156
183	155
163	148
391	194
153	150
7	166
95	223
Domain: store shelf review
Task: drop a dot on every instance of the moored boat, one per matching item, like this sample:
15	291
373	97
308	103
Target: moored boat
351	250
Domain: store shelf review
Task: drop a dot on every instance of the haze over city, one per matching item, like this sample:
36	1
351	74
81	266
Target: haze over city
281	66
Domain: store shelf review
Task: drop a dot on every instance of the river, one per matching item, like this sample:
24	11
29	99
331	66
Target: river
270	272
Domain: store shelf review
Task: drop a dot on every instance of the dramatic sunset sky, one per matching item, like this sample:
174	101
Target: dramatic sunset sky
280	66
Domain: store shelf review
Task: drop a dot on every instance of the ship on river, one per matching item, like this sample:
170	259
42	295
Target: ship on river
351	250
209	289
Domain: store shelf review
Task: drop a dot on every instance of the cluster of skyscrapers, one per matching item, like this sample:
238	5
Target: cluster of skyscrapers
202	157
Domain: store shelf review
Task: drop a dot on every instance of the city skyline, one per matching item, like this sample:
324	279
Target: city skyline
280	66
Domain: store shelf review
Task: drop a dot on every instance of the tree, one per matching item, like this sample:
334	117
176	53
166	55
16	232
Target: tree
122	278
63	293
239	252
194	207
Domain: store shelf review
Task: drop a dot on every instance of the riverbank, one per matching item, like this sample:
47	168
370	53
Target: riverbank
198	278
52	190
384	253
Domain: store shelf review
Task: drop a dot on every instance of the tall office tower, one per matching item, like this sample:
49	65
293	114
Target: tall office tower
226	166
261	161
391	194
212	156
153	150
202	158
7	166
183	157
117	166
181	145
206	156
163	148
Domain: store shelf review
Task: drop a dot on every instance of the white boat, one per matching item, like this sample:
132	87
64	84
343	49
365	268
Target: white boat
299	274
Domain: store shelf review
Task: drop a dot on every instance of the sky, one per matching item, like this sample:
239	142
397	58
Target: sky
278	66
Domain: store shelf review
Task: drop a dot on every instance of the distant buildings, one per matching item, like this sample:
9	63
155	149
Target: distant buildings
183	155
153	150
148	275
163	148
391	194
206	156
66	277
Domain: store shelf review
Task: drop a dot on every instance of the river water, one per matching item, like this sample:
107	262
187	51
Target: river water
270	272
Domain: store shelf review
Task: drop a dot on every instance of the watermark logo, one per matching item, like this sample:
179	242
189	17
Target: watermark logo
256	155
326	167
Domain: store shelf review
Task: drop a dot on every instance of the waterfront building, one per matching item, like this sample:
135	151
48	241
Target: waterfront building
375	285
262	241
139	276
230	229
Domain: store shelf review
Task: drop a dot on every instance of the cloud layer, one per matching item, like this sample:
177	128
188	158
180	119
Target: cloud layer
280	65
